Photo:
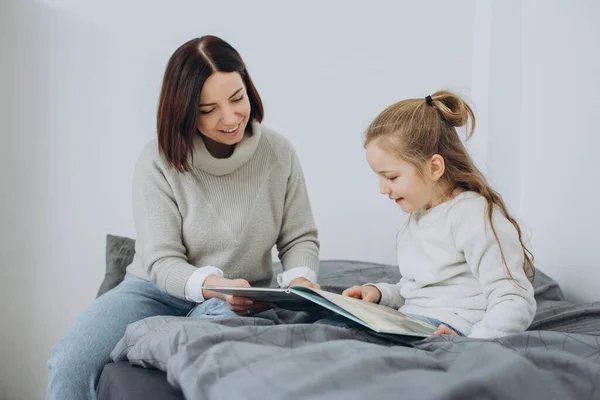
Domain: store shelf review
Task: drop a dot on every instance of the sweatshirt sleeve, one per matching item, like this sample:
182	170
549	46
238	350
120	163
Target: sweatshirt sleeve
510	302
390	294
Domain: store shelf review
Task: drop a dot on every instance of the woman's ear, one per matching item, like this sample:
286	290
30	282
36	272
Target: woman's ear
437	167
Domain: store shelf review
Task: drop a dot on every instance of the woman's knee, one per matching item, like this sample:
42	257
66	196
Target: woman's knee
73	369
69	353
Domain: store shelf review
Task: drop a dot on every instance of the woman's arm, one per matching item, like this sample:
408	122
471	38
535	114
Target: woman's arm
159	225
298	242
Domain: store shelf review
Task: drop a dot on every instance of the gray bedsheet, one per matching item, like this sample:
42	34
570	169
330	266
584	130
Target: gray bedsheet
252	358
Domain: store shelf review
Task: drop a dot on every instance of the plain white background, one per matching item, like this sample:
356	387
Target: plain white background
79	84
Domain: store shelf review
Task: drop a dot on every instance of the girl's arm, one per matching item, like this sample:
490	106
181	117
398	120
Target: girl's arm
510	302
390	294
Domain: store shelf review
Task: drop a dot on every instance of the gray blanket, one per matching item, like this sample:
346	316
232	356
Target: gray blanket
253	358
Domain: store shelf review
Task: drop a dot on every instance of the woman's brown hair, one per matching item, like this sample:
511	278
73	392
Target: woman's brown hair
417	129
187	71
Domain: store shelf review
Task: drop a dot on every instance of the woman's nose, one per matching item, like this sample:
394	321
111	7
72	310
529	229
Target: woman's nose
229	117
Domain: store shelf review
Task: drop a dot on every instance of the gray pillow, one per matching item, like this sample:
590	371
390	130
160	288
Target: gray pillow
334	275
119	254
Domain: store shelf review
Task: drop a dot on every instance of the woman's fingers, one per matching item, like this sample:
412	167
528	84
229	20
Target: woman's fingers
242	305
236	303
256	307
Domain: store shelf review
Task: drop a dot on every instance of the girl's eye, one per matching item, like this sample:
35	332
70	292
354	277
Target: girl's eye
391	179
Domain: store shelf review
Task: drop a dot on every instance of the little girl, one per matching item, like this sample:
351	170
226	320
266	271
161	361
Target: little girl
463	263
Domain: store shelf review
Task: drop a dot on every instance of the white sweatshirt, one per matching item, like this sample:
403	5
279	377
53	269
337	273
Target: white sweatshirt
452	270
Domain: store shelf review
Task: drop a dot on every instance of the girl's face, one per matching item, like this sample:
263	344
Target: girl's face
400	181
224	108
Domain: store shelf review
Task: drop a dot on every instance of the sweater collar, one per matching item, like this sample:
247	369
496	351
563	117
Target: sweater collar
242	152
423	216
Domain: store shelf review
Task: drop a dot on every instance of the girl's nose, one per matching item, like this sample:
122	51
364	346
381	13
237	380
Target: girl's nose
383	188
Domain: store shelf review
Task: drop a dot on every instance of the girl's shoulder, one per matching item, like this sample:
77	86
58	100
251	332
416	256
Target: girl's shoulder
470	212
467	211
464	205
467	203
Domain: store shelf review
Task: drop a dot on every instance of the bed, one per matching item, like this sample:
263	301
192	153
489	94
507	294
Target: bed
251	358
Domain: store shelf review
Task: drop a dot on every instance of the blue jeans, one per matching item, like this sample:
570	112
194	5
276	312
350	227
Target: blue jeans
436	323
77	360
218	308
343	322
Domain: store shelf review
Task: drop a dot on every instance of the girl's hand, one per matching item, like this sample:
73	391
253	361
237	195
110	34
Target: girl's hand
305	282
444	330
367	293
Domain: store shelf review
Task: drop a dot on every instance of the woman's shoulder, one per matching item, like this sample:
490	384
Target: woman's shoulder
276	139
150	150
150	156
280	145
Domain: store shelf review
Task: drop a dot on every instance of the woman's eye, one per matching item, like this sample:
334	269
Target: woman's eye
238	99
206	112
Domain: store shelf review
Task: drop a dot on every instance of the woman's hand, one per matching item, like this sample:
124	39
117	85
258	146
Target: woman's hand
444	330
367	293
237	304
305	282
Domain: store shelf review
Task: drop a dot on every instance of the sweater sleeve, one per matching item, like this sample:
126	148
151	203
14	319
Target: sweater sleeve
390	294
510	302
158	224
297	242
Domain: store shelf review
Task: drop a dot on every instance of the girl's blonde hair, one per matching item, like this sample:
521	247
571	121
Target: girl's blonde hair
416	129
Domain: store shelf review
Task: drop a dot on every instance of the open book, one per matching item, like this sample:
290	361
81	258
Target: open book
379	318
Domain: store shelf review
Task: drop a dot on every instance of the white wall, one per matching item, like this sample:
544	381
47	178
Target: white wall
80	83
536	85
24	245
560	171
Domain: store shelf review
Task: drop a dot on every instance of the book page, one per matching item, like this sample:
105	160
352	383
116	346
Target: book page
378	317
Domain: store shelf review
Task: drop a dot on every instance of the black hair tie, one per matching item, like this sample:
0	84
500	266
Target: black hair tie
429	100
